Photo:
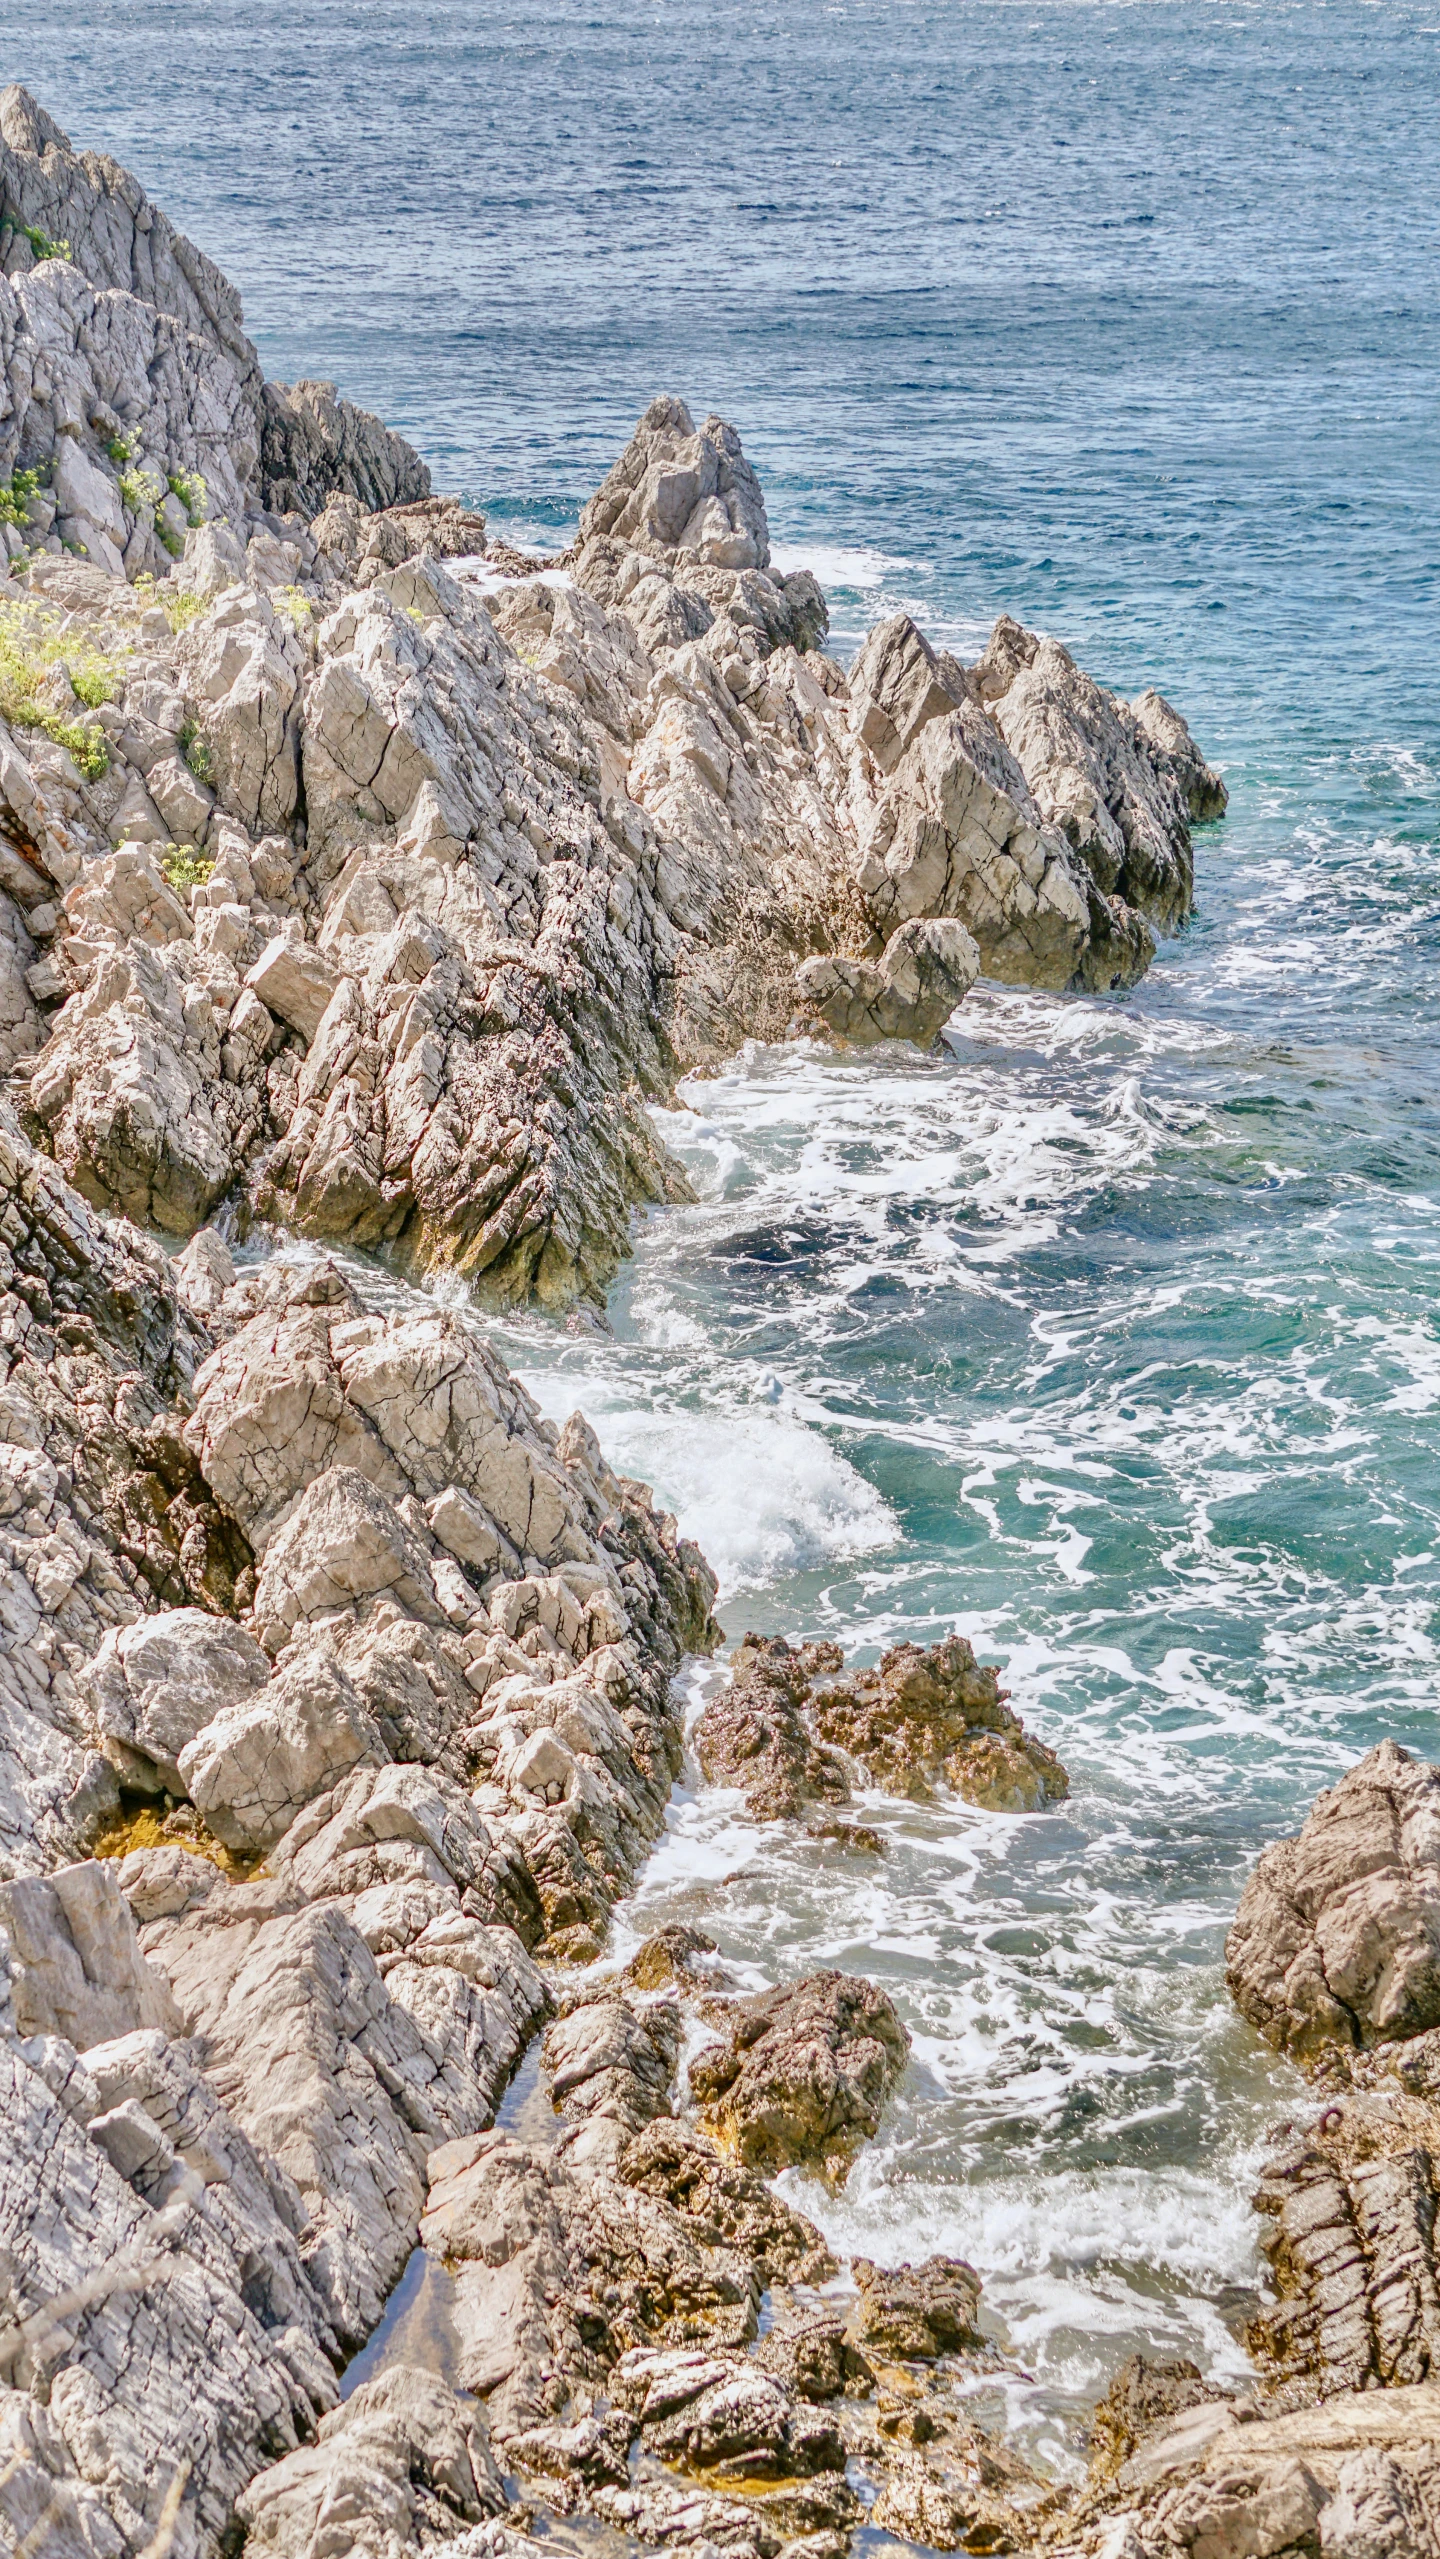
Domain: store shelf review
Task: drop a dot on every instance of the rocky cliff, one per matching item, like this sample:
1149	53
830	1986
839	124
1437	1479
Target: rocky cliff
367	885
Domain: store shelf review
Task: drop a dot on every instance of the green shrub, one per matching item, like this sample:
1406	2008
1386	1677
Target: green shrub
294	601
31	643
121	448
189	487
16	496
195	747
184	867
41	244
140	489
179	606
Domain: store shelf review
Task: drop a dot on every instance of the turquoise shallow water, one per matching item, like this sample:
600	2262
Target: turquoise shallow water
1111	1335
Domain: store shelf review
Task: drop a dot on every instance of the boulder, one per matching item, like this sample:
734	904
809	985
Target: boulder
256	1764
295	982
76	1969
1336	1943
398	2464
926	1716
343	1544
793	1719
802	2074
753	1733
914	2312
927	967
154	1684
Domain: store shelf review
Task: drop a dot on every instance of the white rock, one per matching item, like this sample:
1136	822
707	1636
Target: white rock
294	981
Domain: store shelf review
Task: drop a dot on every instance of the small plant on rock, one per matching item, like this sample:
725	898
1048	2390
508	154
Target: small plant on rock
31	643
189	487
140	489
179	605
195	747
41	244
185	867
121	449
294	601
15	497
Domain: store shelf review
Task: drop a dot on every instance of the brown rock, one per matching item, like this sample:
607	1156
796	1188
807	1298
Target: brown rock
921	1719
803	2073
1141	2396
754	1735
915	2313
937	1716
725	2205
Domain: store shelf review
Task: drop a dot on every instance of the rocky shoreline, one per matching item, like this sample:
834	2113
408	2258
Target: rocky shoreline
362	886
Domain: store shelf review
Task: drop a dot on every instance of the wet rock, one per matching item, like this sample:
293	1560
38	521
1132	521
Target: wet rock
802	2073
726	2206
1144	2395
811	2354
935	1716
709	2412
943	2509
922	1718
1336	1943
754	1734
914	2312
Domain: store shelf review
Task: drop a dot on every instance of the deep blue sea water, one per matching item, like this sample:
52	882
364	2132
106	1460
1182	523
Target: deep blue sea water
1113	1335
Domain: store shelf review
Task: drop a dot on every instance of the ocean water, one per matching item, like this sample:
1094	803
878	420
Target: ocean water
1110	1334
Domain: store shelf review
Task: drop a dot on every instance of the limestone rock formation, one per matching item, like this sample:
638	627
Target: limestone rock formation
348	893
131	380
394	902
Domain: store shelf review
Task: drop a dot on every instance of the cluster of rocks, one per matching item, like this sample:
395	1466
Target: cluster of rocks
468	870
793	1724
